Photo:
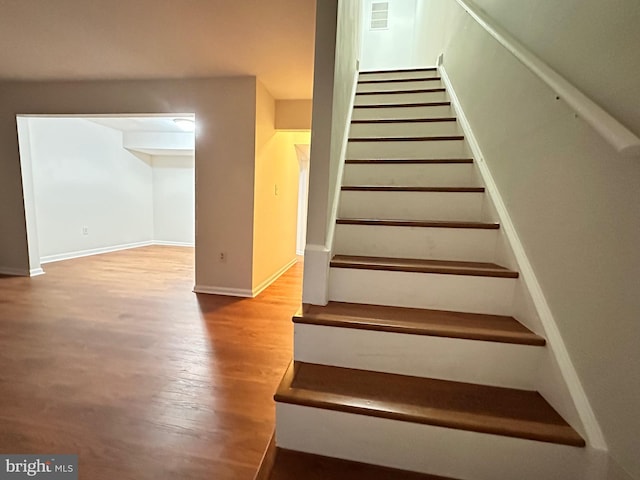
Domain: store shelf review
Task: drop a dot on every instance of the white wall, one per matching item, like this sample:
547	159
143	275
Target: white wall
572	198
173	199
83	178
395	47
335	69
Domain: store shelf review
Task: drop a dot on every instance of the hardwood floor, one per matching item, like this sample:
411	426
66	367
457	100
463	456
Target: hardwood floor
113	357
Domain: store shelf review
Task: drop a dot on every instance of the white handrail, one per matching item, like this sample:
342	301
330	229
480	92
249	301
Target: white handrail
617	135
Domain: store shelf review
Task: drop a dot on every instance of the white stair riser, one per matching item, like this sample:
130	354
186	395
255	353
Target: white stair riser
425	175
396	86
472	361
462	206
411	129
402	112
473	245
462	293
395	98
430	449
404	149
394	75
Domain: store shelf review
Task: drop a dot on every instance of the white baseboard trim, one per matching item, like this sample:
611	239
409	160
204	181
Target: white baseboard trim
14	272
93	251
230	292
265	284
315	285
555	342
300	253
34	272
173	244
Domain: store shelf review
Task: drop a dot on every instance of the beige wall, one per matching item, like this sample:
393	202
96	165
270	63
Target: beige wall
276	192
573	200
293	114
225	153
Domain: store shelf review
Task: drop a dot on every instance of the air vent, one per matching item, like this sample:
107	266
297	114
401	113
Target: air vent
379	16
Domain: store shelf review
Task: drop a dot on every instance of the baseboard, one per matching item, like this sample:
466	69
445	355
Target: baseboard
14	272
265	284
300	253
173	244
93	251
230	292
34	272
554	339
315	285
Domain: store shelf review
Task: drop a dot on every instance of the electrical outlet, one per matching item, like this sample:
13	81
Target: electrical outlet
85	230
222	257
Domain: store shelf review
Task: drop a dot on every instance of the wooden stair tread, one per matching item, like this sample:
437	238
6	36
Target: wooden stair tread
409	161
418	223
432	138
400	70
401	188
292	465
406	120
396	92
405	105
399	80
451	267
478	408
416	321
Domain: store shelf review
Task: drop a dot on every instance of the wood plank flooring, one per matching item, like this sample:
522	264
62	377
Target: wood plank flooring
113	357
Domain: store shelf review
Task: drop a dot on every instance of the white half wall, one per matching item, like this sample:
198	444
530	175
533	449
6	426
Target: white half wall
174	199
90	193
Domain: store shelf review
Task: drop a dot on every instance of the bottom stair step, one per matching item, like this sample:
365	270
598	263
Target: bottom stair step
477	408
282	464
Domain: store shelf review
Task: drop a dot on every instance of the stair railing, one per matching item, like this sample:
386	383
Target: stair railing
617	135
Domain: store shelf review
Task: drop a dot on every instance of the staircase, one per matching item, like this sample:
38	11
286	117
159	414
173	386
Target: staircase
416	364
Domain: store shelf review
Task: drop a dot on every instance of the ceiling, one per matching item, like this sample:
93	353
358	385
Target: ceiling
150	39
140	123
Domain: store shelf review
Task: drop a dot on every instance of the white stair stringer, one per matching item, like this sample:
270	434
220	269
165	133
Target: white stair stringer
426	243
456	206
431	449
461	293
461	360
425	175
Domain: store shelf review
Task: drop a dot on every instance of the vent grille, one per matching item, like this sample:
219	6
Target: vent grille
379	16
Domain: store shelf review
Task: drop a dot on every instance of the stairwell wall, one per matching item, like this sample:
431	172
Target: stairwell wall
337	52
572	198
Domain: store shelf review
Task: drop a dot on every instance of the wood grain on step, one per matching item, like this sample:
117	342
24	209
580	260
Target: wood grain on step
478	408
416	321
417	223
292	465
482	269
401	188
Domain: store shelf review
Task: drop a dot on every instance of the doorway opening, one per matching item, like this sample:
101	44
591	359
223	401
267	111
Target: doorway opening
97	184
